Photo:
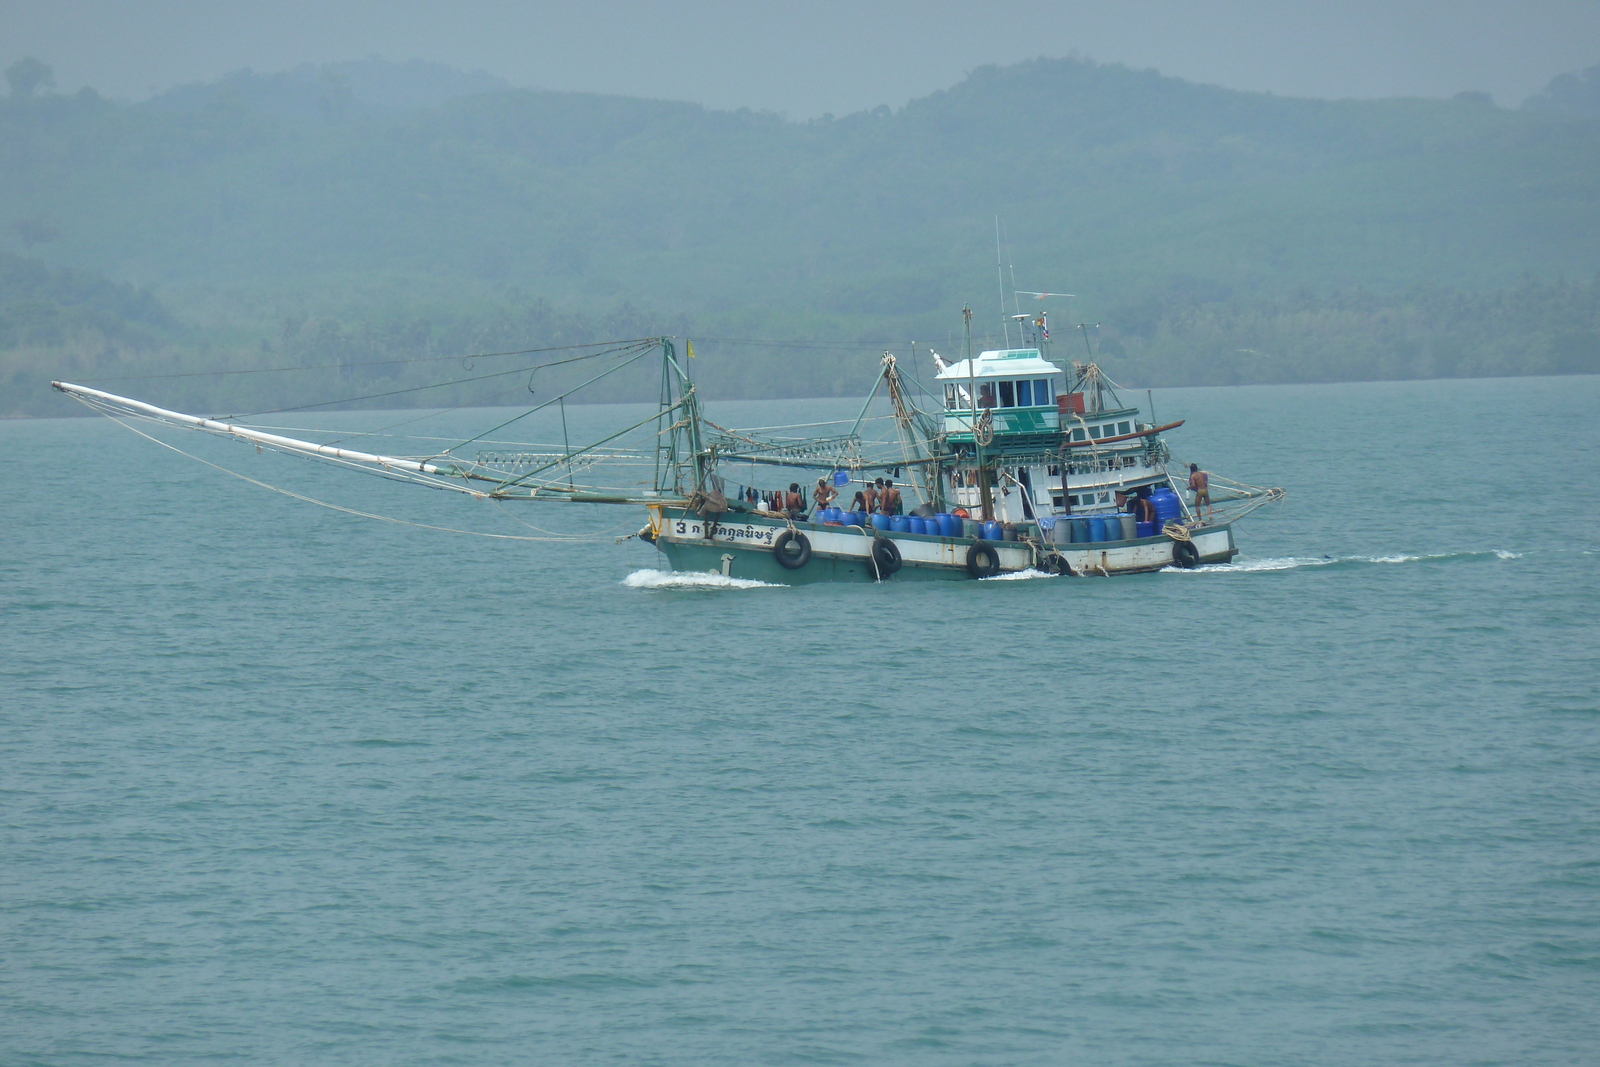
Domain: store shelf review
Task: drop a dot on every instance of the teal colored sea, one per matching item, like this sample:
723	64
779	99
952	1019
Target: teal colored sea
281	784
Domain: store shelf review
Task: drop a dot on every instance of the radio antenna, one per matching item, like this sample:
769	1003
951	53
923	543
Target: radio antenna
1011	264
1000	280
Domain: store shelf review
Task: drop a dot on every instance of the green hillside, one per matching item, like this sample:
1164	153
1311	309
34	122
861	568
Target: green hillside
1182	216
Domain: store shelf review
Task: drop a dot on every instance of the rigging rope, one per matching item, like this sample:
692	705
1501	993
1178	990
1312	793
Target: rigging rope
373	363
353	511
535	368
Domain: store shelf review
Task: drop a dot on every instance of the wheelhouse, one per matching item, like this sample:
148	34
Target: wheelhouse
1027	446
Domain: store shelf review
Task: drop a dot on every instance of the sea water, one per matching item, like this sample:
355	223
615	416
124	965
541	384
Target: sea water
282	784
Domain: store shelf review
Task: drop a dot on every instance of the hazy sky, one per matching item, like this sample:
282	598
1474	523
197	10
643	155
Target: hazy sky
822	55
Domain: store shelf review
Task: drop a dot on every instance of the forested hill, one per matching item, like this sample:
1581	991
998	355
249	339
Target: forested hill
261	201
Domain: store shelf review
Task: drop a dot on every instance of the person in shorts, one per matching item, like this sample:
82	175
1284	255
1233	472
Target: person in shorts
822	496
1200	482
889	502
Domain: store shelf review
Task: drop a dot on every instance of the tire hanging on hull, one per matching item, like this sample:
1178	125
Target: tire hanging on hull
1185	555
885	557
792	550
983	560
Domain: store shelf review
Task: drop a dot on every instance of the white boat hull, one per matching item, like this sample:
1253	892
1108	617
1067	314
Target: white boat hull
741	546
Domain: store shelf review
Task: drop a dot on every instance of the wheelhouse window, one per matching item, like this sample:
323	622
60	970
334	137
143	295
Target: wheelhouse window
1123	427
1008	396
1094	431
986	395
1077	434
1042	393
1024	394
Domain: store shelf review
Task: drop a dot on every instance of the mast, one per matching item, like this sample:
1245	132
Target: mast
1005	324
681	440
987	500
1091	370
924	476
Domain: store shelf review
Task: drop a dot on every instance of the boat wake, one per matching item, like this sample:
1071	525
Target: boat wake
1286	563
652	579
1017	576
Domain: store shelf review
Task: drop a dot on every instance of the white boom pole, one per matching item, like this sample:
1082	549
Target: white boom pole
257	436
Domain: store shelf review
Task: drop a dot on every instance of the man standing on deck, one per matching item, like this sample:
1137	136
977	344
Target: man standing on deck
889	504
873	491
1201	484
822	495
792	504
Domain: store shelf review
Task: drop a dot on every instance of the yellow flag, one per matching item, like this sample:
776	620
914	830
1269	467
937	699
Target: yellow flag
690	346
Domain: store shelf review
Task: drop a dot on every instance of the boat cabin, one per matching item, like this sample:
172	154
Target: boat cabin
1017	386
1045	451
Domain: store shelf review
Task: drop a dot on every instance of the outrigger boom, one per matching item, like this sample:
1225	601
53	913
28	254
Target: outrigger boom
435	472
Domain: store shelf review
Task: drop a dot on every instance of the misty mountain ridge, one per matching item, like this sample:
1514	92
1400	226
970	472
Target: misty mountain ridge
332	90
374	83
1571	94
431	197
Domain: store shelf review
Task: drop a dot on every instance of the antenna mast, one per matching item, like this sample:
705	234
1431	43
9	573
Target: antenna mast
986	505
1000	280
1016	306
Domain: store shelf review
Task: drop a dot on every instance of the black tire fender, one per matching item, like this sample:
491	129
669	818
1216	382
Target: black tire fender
983	560
885	556
1185	555
792	550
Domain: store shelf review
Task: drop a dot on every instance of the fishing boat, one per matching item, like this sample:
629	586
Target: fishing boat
1011	464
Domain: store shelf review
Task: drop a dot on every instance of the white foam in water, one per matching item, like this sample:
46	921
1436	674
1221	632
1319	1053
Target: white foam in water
651	579
1249	566
1017	576
1285	563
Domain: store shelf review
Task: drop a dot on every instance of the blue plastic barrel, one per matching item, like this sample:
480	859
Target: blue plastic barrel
1080	531
991	531
1147	529
1097	529
880	522
900	523
1168	507
949	525
916	524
